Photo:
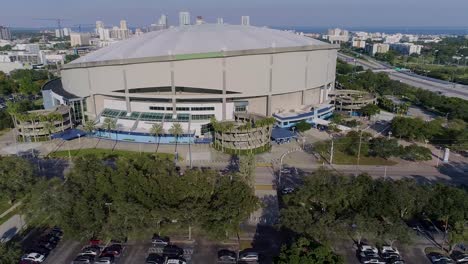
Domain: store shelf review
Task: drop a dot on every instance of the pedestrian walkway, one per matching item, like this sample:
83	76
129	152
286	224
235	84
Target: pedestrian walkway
13	207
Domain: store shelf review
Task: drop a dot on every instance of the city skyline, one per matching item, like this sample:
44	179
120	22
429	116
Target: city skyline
320	13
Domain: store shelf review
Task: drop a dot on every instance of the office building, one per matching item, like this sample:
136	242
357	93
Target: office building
66	32
162	22
176	76
59	33
406	48
337	36
123	25
220	21
184	18
377	48
391	39
79	39
245	20
5	33
358	43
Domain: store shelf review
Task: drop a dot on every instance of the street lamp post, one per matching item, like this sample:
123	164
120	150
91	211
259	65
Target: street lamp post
331	150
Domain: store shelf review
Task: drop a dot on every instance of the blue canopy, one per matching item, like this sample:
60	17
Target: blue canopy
282	133
69	134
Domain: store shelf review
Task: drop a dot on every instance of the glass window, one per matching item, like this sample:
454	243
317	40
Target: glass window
157	108
241	108
183	109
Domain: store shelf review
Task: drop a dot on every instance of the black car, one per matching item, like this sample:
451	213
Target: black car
172	251
114	250
154	258
227	256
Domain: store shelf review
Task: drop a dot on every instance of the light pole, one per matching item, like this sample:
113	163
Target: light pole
389	134
331	150
359	148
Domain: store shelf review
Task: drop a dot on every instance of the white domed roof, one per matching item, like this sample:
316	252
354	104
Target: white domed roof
205	38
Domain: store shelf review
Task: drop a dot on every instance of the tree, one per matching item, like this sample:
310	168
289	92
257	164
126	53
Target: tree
416	153
49	128
383	147
305	252
110	124
10	252
303	126
363	227
176	130
247	165
398	231
16	177
370	110
89	126
157	130
458	235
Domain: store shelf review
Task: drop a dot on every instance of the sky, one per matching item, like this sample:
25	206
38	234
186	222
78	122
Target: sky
313	13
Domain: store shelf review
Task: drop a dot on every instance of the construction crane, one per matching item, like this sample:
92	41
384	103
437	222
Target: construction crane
82	25
58	20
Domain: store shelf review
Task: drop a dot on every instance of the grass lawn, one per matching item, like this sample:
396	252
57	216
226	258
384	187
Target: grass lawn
106	153
9	215
340	158
343	159
4	205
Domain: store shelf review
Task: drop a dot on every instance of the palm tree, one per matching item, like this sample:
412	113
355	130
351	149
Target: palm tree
176	130
49	128
89	126
157	130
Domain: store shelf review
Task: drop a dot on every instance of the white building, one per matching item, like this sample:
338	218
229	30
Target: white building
123	25
245	20
184	18
54	58
409	38
104	33
79	39
337	36
235	69
162	22
199	20
391	39
66	32
220	20
5	33
138	32
59	33
377	48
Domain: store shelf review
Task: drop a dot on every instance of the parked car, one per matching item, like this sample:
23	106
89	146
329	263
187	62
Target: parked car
105	260
439	258
34	257
367	248
373	261
459	257
172	251
175	261
160	241
249	256
227	255
154	258
94	249
389	249
114	250
84	259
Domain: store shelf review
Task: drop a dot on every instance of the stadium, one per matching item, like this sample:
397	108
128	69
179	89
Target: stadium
189	74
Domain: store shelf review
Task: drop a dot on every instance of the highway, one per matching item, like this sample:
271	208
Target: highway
423	82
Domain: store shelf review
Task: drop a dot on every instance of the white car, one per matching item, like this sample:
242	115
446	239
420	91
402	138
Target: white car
389	249
249	256
175	261
34	257
367	248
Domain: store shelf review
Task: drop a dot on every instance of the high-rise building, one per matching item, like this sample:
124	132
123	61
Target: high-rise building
184	18
123	25
138	32
79	39
59	33
162	22
245	20
199	20
5	33
66	32
220	20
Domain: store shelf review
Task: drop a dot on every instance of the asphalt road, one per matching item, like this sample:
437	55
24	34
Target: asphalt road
423	82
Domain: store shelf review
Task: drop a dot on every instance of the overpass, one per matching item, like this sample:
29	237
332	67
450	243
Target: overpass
439	86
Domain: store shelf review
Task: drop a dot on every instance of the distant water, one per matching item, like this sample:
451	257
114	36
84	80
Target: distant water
388	30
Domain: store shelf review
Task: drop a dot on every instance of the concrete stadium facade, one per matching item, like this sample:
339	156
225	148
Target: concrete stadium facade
280	71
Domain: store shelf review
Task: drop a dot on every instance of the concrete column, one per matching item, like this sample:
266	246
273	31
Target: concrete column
306	80
269	109
82	110
173	89
224	114
321	95
127	94
91	92
269	102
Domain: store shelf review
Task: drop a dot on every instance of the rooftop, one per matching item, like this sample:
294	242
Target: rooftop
198	41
